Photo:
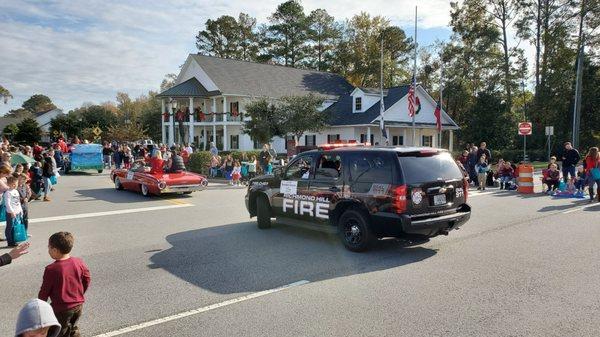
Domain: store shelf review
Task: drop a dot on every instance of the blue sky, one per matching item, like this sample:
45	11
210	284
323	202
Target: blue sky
87	51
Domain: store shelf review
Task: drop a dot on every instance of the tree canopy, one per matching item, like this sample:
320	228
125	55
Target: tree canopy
28	131
37	103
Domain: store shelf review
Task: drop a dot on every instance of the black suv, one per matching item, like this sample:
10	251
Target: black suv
364	193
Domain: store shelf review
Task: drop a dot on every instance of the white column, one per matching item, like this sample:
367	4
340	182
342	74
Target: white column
204	138
451	140
225	140
404	139
171	123
191	132
245	142
162	121
214	110
368	135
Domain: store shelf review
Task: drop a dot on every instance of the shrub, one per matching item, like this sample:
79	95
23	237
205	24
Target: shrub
200	162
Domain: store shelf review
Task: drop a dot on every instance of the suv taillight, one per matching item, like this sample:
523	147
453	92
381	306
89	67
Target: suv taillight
465	188
399	194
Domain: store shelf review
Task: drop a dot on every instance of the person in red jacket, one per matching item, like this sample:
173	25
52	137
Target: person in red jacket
156	163
65	283
592	163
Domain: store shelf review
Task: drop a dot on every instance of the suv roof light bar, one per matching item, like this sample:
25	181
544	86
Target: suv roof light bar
339	145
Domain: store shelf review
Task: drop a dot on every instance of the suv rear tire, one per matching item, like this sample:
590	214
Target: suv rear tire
263	213
355	231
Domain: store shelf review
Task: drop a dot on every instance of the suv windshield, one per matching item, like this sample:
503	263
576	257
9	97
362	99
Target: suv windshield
419	169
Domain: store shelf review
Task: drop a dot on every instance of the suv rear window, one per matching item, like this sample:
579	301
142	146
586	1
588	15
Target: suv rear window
419	168
370	167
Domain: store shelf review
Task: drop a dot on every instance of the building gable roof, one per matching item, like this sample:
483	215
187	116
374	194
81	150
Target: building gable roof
189	88
234	77
340	113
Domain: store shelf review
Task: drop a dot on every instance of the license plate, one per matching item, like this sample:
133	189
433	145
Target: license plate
439	199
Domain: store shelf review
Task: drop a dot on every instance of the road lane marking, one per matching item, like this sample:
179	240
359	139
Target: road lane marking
199	310
475	193
175	201
98	214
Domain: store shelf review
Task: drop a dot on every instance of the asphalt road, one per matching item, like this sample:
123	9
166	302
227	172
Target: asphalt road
522	266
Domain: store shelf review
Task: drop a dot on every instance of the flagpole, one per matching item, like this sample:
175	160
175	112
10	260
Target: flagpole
381	106
441	102
414	131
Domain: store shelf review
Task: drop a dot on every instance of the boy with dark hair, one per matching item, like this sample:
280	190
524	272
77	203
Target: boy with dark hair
65	283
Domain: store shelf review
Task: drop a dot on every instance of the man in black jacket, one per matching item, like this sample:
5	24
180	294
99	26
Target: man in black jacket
570	158
483	150
14	253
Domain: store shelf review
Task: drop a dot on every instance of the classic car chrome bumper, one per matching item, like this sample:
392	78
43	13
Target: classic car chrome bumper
183	188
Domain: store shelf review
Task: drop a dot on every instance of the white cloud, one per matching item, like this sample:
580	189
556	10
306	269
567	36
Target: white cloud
78	51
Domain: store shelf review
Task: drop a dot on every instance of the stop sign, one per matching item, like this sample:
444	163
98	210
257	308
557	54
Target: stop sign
525	128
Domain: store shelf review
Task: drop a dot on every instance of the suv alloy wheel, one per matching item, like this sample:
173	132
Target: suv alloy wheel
355	231
263	213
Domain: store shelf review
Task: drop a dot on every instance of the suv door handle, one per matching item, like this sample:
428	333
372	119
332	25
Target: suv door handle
334	189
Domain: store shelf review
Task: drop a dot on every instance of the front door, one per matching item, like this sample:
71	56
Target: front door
327	185
289	200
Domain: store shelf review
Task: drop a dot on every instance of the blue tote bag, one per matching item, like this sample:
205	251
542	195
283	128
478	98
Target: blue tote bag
2	210
596	173
19	231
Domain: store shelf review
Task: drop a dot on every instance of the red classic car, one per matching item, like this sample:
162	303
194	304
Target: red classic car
139	179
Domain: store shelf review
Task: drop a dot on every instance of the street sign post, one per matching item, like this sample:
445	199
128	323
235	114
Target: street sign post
549	133
525	129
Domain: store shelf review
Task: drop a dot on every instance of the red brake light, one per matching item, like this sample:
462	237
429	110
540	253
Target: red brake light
399	202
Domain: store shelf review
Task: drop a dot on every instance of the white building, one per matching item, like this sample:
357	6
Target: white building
43	119
217	90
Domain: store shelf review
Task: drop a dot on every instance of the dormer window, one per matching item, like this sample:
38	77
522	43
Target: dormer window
358	104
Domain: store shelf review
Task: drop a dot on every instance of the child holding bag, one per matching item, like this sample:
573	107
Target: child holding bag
25	194
14	212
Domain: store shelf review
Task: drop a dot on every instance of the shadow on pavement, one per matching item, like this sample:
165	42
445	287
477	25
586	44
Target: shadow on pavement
109	195
241	258
564	207
592	208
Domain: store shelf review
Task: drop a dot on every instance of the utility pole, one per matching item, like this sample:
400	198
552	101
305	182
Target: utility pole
577	102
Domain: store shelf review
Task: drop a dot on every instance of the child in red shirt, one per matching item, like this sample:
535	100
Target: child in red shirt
65	283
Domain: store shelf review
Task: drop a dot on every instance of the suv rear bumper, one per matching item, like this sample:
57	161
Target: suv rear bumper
387	224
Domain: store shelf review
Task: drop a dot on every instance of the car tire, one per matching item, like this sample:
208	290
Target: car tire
118	184
263	213
144	190
355	231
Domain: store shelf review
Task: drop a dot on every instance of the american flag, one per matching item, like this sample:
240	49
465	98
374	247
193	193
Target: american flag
411	97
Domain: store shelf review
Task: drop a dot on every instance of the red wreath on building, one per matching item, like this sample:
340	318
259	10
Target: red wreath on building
180	116
201	115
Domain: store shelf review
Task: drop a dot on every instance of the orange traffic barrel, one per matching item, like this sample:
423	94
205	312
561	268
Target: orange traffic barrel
525	180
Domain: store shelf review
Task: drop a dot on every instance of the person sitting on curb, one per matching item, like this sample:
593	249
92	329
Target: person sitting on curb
14	254
553	178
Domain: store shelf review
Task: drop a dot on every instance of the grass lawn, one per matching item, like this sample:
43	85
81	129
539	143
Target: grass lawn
538	165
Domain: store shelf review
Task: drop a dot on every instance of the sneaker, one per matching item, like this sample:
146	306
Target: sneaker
46	199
